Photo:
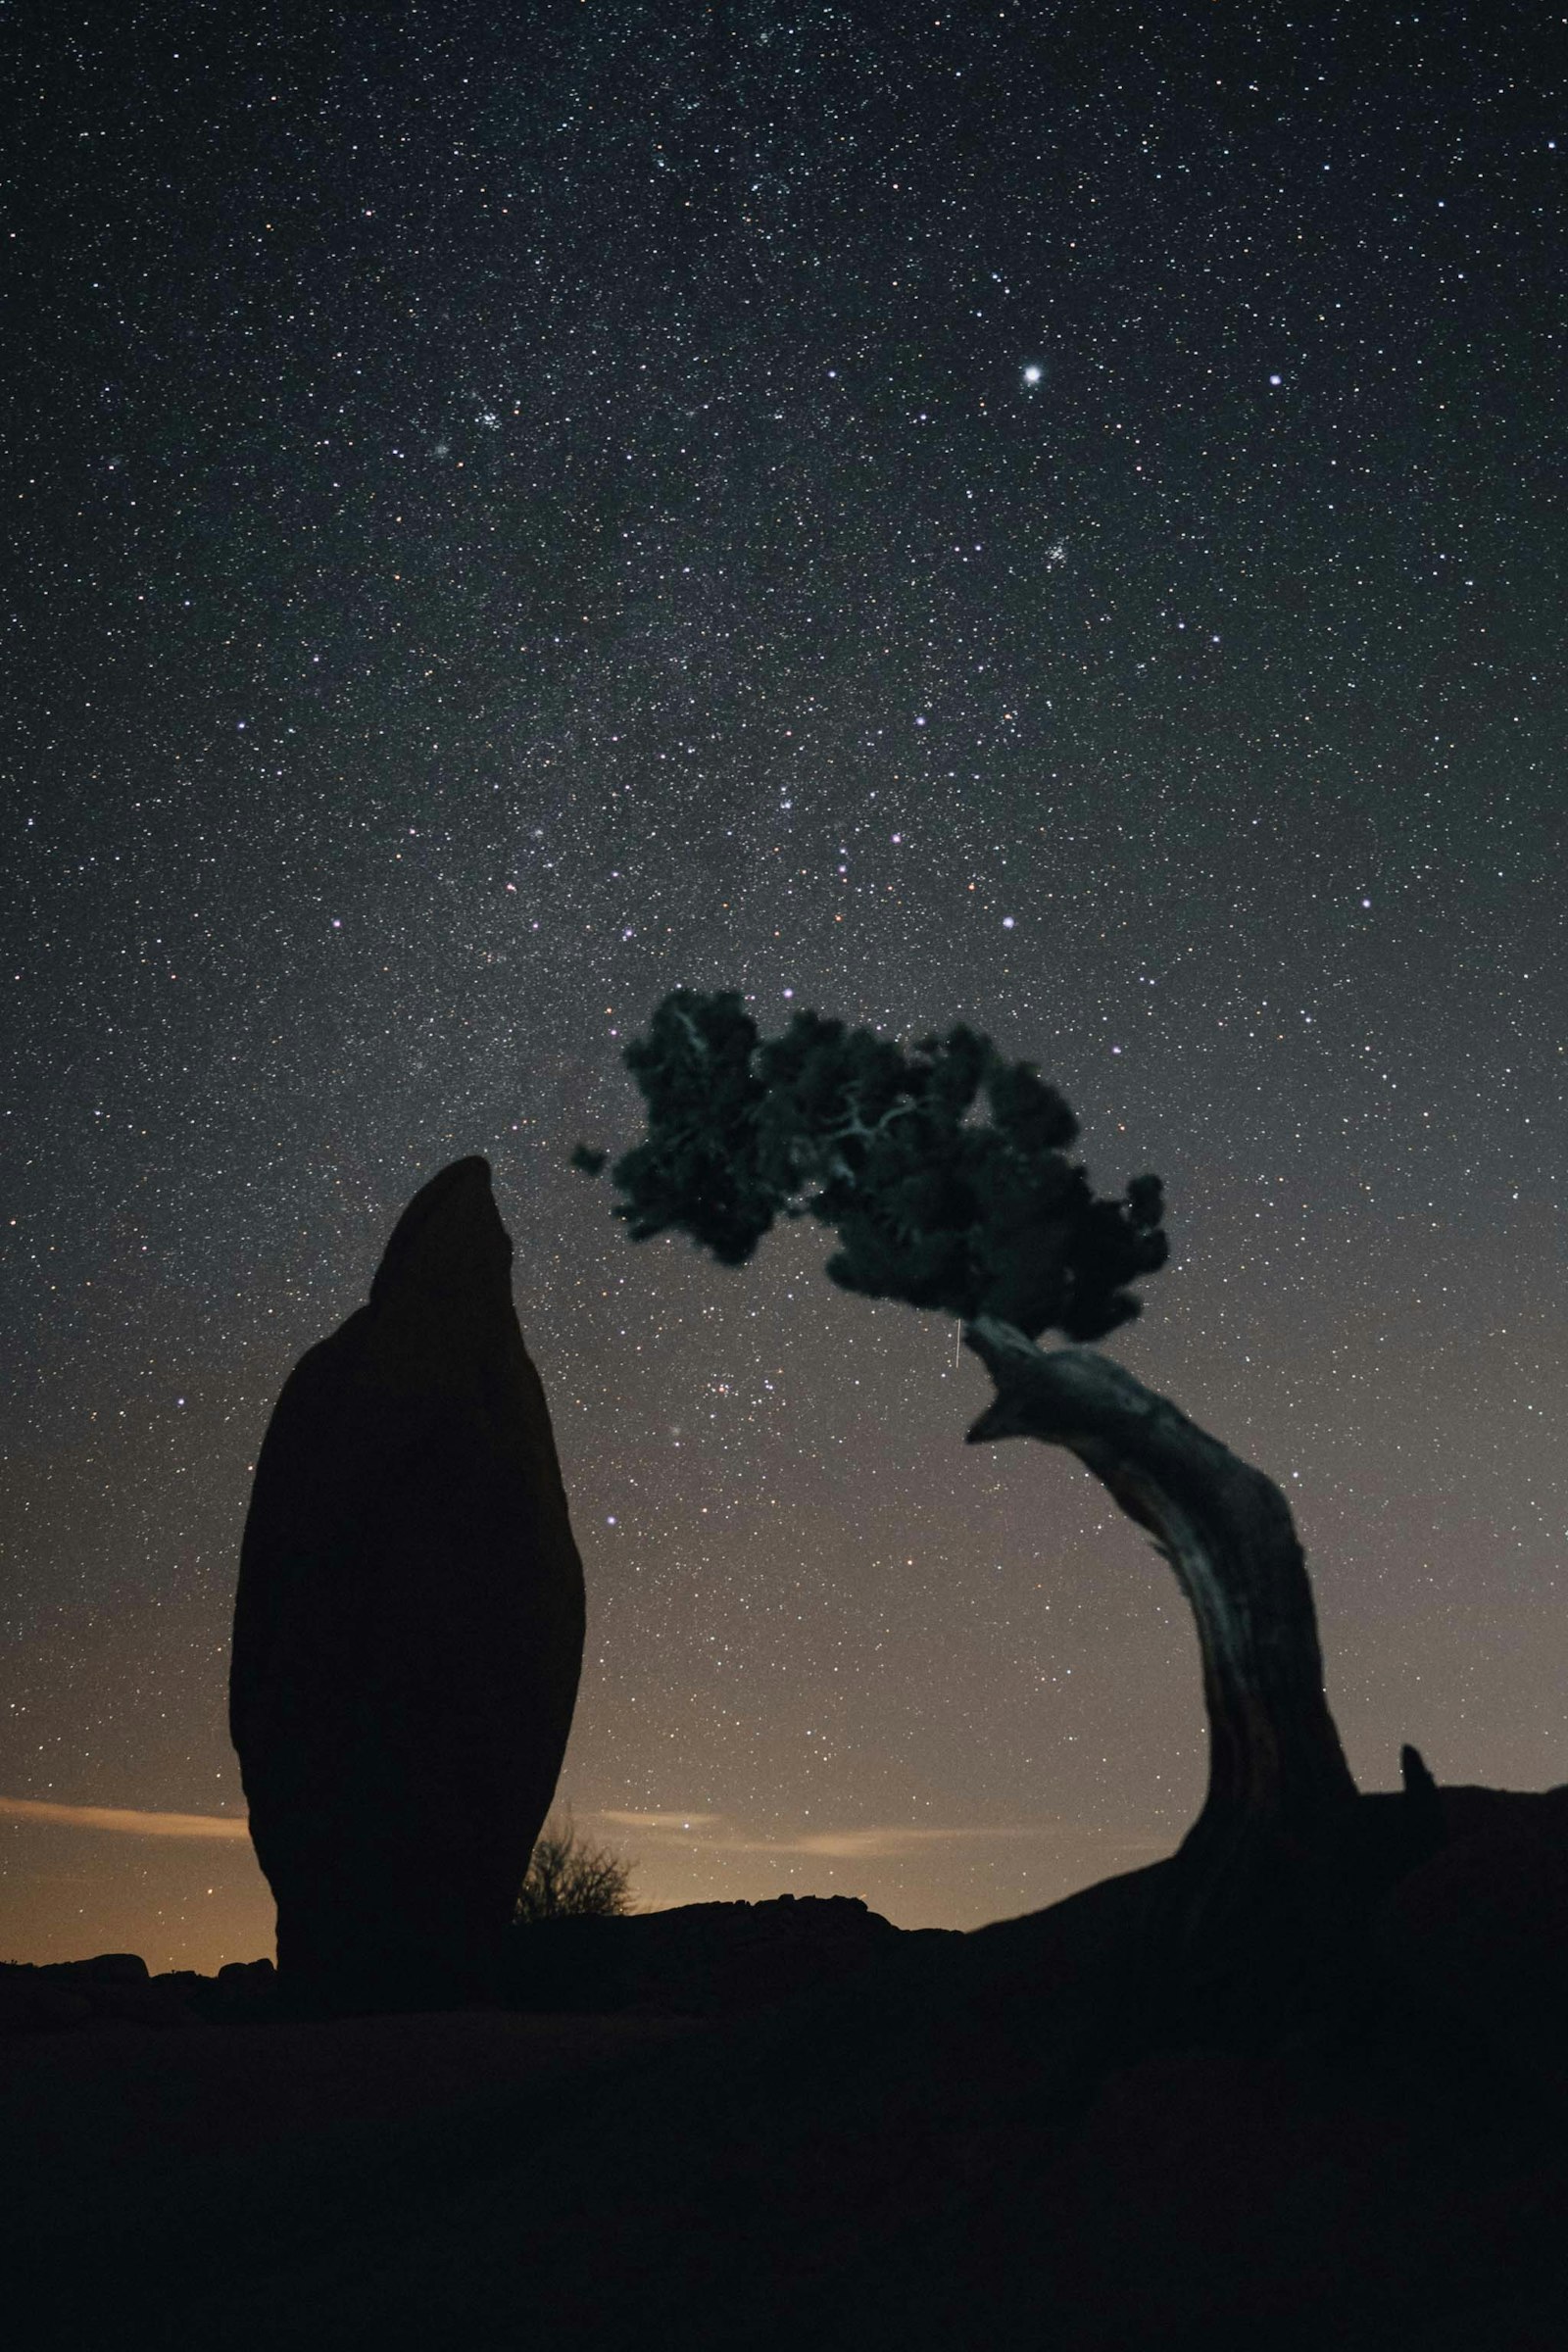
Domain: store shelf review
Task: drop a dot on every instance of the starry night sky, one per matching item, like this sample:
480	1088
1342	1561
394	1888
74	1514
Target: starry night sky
1049	516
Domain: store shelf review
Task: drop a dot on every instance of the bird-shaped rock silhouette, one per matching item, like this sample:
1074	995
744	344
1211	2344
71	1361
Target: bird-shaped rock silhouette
408	1625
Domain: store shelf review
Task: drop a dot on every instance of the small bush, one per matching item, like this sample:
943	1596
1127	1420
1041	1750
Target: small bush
570	1878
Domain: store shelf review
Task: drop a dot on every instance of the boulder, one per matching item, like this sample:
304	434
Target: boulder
409	1625
238	1975
112	1968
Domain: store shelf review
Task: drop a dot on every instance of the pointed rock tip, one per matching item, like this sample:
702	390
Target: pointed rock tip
449	1233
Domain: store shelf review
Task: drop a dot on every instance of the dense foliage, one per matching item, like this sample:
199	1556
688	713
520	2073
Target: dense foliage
977	1215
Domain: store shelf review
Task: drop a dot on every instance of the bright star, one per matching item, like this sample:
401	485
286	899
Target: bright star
1033	373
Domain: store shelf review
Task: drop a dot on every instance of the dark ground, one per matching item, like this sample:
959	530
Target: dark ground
768	2128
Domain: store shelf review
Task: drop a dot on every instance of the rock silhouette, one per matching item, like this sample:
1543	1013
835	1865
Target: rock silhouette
700	1959
408	1625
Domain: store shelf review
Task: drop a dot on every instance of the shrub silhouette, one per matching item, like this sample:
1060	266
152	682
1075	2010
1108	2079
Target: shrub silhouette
568	1878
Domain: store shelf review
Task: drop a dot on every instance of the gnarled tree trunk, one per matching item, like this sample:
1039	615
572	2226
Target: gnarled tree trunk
1276	1772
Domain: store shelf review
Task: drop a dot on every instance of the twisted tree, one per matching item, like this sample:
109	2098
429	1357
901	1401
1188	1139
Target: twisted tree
980	1212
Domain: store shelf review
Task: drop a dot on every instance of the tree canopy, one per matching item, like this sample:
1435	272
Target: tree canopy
932	1200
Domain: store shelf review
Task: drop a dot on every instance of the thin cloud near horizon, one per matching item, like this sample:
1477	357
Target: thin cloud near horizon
126	1821
885	1841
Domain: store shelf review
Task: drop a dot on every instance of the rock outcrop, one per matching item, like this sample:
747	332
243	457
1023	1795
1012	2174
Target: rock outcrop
407	1632
82	1992
701	1959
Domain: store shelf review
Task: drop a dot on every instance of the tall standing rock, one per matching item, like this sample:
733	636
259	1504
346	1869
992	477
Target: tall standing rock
408	1627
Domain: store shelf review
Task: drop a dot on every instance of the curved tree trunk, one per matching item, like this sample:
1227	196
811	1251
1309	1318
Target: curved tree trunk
1276	1766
